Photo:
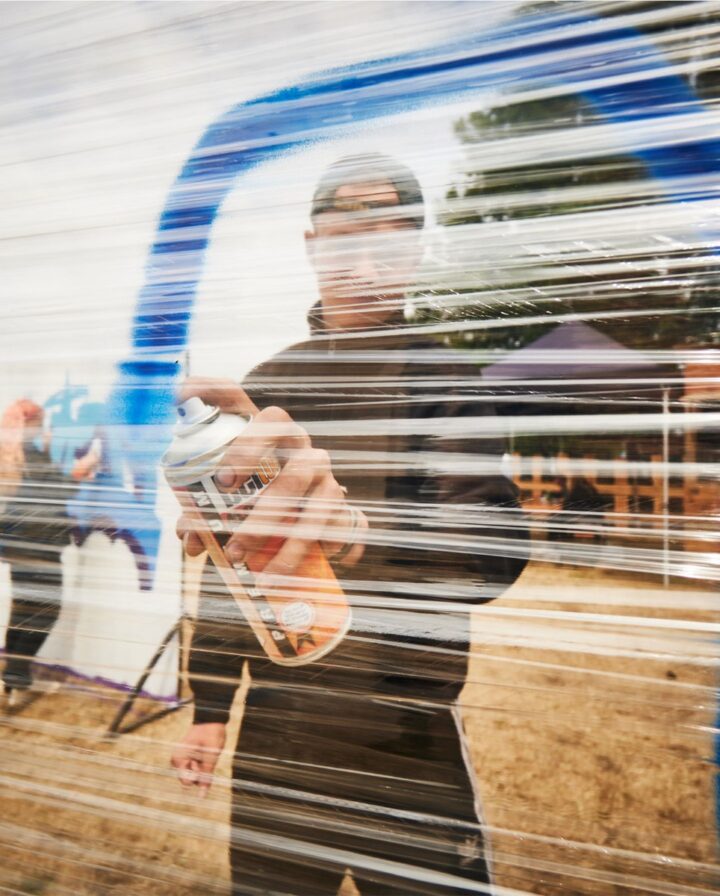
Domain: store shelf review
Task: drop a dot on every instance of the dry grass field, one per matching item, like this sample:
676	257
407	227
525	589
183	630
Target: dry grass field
589	709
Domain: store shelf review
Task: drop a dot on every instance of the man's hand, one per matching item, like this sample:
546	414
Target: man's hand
304	504
196	755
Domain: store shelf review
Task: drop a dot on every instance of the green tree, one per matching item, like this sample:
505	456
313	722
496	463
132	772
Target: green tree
662	297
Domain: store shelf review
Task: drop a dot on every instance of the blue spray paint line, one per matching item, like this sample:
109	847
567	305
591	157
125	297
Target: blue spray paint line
538	51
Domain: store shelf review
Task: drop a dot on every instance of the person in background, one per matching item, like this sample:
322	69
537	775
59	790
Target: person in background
358	761
35	529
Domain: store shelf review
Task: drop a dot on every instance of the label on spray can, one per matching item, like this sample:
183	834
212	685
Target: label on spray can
310	615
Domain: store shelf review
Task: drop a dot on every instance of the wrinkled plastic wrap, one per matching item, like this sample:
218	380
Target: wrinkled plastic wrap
456	265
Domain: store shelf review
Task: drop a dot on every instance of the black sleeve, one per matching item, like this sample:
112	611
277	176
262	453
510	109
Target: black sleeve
454	521
35	522
221	642
478	506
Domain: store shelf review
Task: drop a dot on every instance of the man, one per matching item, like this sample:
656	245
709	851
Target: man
357	761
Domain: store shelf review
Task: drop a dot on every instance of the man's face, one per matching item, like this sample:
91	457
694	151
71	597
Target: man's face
365	254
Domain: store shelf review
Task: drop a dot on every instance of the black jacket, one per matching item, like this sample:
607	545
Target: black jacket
404	420
35	526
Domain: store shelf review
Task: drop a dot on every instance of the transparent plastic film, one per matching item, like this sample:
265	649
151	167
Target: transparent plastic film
359	417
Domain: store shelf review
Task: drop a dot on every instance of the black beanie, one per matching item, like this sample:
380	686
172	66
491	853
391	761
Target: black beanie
370	168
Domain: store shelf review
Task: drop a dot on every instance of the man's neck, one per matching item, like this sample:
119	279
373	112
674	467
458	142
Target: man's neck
321	321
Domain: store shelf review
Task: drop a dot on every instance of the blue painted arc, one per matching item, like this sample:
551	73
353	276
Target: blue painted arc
254	132
271	126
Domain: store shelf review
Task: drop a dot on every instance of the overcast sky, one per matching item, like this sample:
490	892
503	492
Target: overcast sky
100	106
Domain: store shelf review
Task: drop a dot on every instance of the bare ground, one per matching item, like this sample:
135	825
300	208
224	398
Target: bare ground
588	709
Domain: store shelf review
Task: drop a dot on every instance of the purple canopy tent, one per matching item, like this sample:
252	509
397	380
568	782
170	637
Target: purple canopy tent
579	355
577	365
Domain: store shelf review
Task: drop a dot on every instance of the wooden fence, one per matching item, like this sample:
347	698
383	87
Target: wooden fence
634	492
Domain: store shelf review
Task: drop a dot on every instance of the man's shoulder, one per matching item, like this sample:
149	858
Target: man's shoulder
410	361
277	380
282	360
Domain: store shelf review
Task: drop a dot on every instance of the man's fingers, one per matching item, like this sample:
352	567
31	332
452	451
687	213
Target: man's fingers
195	769
224	394
193	545
341	528
186	767
271	431
304	489
189	776
284	563
196	756
186	530
208	761
347	535
205	770
319	508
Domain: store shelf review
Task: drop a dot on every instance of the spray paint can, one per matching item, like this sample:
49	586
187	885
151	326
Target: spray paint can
296	623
